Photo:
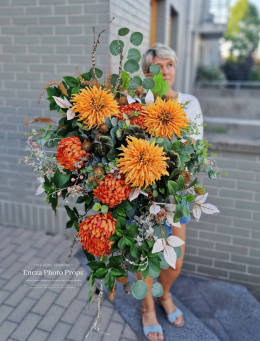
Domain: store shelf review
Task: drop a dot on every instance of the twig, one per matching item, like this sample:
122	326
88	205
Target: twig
120	67
96	42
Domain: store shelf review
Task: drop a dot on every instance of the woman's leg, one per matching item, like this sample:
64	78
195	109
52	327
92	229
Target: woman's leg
168	276
148	311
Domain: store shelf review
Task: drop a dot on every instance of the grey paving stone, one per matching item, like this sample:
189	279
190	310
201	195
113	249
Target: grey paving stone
51	318
67	295
60	332
44	303
26	327
3	295
6	329
129	333
117	317
38	335
17	296
14	282
12	270
37	292
2	283
115	330
80	328
21	310
4	312
73	311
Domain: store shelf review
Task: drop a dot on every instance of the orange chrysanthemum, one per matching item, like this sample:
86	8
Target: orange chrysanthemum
142	162
112	191
70	151
164	119
95	231
129	110
94	105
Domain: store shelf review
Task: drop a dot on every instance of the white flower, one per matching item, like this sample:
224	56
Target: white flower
149	98
131	100
168	248
40	189
199	205
135	193
65	104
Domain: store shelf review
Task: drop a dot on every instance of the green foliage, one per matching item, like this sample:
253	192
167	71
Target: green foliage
206	73
136	38
114	47
139	289
243	29
131	66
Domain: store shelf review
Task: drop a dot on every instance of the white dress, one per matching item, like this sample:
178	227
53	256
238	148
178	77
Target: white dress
192	110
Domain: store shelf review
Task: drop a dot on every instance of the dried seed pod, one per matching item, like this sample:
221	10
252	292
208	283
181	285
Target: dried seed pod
139	90
103	128
123	101
98	170
86	145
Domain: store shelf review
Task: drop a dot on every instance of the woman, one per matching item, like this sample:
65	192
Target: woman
166	58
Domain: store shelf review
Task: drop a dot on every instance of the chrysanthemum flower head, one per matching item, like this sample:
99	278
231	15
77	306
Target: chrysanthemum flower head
70	151
142	162
94	233
94	105
112	191
164	119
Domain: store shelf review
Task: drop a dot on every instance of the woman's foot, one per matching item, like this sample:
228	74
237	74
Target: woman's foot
169	307
149	319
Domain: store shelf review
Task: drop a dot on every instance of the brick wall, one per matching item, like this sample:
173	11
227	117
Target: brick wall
227	245
41	40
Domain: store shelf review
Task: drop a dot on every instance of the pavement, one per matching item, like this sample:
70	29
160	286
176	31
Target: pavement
49	307
52	305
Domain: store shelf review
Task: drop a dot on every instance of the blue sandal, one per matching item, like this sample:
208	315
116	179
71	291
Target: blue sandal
172	317
151	329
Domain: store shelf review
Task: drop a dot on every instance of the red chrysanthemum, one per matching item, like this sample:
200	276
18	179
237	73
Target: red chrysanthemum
70	151
112	191
129	110
95	231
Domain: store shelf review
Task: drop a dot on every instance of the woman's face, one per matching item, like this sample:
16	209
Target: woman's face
167	69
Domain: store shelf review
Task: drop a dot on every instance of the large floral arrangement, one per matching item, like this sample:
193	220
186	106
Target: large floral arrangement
121	150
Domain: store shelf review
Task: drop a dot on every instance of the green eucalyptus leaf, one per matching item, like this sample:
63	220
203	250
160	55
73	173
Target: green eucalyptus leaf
148	83
131	66
134	54
136	38
178	251
154	69
114	47
136	81
139	289
164	265
157	289
123	31
153	274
